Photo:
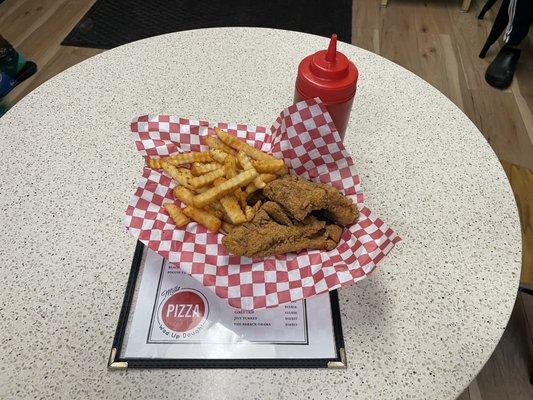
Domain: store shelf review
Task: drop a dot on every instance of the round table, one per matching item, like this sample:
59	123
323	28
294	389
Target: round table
420	327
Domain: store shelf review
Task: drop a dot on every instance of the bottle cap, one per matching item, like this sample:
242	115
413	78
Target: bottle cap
327	74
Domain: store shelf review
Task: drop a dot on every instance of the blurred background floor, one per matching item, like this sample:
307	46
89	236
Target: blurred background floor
431	38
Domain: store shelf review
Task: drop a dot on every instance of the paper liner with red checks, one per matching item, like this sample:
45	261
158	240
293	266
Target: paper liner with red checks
306	138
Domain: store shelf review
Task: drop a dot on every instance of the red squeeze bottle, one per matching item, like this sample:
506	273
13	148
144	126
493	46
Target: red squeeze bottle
329	74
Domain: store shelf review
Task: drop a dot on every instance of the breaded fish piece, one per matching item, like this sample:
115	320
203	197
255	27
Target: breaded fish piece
276	212
264	236
300	197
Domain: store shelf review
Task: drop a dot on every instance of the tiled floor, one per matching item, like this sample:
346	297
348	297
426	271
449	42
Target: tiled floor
433	39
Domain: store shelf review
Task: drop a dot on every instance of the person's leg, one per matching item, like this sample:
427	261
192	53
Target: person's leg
520	17
498	26
13	67
501	71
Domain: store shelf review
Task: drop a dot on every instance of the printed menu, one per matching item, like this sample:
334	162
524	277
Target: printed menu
174	317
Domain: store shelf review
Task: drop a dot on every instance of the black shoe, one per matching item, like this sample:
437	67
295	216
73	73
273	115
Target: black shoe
28	70
501	70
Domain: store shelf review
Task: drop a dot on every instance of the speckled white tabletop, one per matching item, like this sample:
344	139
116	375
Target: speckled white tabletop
420	328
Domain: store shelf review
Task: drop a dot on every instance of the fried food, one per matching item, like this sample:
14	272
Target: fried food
241	145
214	212
181	175
268	166
227	227
217	206
241	196
215	143
186	196
154	163
339	208
231	206
265	178
250	211
203	217
230	167
244	161
246	164
255	208
219	191
283	171
300	197
233	209
200	189
200	169
264	236
235	189
276	212
208	178
176	213
187	158
218	155
255	197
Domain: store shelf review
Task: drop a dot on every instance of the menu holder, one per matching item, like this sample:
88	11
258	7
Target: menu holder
169	320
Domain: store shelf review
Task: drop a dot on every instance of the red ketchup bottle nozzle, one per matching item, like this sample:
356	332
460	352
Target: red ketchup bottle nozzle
332	77
332	48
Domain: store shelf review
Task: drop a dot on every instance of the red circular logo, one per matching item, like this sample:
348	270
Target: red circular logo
183	311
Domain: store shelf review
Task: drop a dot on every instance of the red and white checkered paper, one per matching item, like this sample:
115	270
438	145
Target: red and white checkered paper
306	138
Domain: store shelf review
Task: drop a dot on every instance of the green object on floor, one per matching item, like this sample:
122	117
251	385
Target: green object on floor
14	69
11	62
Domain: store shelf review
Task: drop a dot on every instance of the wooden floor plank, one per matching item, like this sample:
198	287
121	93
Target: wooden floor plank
504	129
365	38
42	44
451	69
9	7
29	16
366	15
398	39
505	376
467	95
365	24
522	183
527	301
433	61
465	395
376	40
524	104
473	391
432	16
524	79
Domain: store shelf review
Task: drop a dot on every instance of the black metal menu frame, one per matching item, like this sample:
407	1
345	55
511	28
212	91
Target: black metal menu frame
117	362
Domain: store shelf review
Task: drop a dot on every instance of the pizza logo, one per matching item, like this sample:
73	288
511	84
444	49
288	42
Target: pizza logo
183	313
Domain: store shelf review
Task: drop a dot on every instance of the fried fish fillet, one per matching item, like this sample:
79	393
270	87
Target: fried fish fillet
276	212
273	232
300	197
